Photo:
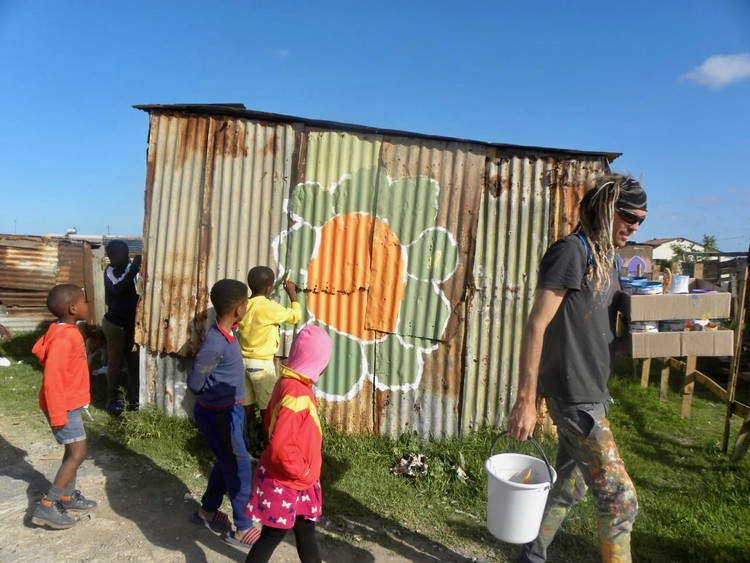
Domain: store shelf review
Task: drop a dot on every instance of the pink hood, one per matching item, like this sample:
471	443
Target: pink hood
311	350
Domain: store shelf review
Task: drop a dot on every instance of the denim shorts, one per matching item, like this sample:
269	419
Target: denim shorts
73	431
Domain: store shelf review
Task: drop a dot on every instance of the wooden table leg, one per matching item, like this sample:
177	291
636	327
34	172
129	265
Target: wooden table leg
664	383
645	371
687	390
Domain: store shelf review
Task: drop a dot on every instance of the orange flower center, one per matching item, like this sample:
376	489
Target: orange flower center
356	287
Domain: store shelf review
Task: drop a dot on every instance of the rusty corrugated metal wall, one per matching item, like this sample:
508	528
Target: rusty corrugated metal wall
215	190
417	254
531	200
29	268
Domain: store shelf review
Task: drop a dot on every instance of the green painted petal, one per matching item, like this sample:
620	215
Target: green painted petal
395	366
311	202
295	251
410	206
356	193
424	311
345	368
418	343
434	256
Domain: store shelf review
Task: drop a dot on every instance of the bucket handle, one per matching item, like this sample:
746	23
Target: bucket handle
533	441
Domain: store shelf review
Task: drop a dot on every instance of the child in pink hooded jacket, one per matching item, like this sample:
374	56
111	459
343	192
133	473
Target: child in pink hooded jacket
286	491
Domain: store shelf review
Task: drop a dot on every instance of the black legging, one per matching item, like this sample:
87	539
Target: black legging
270	538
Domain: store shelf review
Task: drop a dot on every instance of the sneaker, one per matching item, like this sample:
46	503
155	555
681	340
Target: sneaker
77	503
114	407
54	516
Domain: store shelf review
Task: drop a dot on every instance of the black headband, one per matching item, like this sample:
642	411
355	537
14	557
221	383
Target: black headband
632	195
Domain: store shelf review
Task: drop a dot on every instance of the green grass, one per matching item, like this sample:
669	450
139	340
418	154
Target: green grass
695	505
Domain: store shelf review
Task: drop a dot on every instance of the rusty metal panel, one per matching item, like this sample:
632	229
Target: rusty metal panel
251	177
419	375
215	195
75	266
70	263
163	382
175	177
30	267
28	270
28	263
530	200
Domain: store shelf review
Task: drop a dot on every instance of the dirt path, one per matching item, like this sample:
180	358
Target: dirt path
143	514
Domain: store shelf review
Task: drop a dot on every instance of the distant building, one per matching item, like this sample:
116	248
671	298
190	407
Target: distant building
662	247
635	257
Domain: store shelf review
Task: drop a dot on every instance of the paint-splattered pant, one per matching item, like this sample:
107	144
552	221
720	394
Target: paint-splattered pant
587	458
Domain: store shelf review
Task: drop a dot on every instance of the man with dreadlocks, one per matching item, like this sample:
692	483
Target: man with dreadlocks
567	354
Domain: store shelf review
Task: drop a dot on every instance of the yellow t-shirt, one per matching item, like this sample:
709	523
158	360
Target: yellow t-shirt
259	328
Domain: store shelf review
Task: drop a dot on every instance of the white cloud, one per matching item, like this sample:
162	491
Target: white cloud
721	70
277	53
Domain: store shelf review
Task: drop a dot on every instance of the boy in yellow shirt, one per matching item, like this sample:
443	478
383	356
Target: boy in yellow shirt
259	336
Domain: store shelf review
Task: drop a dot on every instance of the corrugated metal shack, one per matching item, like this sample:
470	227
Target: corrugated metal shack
417	253
29	267
32	265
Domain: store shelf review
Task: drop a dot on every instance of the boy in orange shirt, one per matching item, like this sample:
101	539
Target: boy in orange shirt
62	397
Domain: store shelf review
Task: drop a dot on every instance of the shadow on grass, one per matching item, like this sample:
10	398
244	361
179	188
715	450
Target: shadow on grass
358	520
657	549
13	464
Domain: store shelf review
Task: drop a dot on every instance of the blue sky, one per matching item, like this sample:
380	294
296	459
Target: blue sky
666	83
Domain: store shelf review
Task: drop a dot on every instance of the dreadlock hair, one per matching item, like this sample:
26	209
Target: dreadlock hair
597	213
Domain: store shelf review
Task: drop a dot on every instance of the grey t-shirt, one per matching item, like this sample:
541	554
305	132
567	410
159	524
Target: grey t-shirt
579	344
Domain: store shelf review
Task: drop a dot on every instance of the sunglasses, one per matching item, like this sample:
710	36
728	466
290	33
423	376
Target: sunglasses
630	218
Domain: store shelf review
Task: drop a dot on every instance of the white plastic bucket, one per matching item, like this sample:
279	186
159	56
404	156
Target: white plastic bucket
679	284
514	510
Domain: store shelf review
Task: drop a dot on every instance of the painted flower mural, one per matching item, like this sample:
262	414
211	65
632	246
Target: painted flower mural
371	260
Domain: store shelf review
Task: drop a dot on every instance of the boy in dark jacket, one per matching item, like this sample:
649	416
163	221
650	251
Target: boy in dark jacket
62	397
218	381
118	325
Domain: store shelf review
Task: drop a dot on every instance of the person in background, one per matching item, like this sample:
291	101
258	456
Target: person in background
286	490
118	326
64	394
259	340
217	380
567	355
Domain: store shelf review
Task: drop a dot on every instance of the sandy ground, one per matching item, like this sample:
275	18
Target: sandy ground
143	514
